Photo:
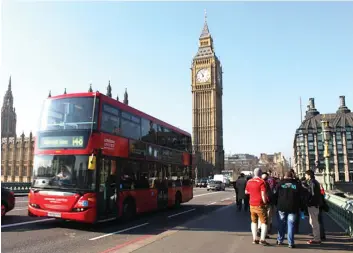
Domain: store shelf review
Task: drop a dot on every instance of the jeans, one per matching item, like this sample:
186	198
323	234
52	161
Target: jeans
286	220
297	223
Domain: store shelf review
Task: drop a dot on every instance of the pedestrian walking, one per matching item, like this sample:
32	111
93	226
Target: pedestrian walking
289	202
270	184
256	189
240	185
297	221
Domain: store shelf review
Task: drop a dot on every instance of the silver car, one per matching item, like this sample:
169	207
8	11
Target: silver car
216	186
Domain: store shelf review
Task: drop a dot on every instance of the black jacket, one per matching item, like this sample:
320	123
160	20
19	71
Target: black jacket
240	185
313	193
288	195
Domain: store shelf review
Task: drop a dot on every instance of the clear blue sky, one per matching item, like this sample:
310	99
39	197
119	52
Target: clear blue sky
272	53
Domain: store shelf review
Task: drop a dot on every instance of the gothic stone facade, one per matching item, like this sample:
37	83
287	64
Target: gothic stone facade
207	91
309	145
17	158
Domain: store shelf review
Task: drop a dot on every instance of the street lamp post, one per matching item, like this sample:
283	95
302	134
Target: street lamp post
326	132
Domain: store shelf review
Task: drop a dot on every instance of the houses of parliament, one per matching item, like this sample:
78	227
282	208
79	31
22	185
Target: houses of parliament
207	120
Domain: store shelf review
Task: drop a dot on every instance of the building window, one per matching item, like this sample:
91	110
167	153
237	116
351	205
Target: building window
340	149
349	135
341	177
319	137
320	146
300	138
310	137
341	167
338	136
311	146
349	144
340	159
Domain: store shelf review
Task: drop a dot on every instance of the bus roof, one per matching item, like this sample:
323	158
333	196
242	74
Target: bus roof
122	106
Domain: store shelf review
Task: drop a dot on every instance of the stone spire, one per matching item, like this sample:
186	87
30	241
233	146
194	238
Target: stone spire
8	114
65	91
109	90
206	48
49	95
117	97
9	87
205	31
8	98
126	97
90	88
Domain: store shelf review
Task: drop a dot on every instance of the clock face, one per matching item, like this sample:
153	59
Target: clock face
203	75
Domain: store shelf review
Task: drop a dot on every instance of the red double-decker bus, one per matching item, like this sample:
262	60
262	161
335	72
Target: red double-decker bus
98	159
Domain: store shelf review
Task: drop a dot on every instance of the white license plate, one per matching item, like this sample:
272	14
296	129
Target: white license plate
56	215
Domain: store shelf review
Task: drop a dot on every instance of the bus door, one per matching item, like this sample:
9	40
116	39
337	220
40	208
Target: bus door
107	188
162	188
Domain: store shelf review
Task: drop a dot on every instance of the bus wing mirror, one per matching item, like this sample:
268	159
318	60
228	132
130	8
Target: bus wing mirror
92	162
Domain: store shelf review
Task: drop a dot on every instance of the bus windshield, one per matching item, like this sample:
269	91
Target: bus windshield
69	113
63	171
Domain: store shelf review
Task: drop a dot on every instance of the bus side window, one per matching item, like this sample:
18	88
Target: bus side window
110	123
130	126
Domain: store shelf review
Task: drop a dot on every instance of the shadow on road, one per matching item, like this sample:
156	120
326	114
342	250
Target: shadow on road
222	218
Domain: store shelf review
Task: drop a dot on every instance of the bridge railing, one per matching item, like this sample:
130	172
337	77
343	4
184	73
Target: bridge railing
341	210
17	188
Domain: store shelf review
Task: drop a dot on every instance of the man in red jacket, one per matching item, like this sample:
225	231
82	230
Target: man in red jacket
256	188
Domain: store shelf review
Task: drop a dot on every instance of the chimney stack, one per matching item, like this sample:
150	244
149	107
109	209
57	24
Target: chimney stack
343	108
342	101
311	112
311	103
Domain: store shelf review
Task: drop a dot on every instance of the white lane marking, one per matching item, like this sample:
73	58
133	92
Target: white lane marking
19	209
105	220
26	222
195	196
118	232
176	214
225	199
211	203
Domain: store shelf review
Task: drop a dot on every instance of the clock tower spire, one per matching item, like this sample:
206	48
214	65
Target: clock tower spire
207	92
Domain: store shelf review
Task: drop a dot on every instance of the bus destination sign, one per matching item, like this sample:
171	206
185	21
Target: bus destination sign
61	142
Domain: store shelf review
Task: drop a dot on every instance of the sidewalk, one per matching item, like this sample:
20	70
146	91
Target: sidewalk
228	231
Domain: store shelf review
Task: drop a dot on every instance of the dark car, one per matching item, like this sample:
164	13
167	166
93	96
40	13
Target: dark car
202	183
7	201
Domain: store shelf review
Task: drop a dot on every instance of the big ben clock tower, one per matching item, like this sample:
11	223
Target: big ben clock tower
207	121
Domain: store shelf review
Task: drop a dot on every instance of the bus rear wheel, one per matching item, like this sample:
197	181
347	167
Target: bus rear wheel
129	210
